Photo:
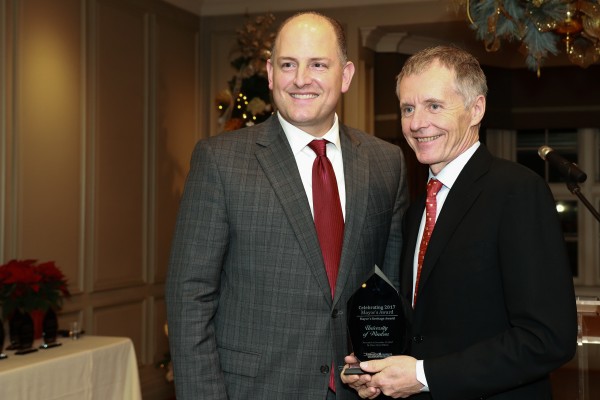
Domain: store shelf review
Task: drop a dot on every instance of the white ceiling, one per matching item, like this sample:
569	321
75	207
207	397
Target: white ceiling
228	7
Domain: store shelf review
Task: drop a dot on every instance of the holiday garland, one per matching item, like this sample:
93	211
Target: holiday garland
539	25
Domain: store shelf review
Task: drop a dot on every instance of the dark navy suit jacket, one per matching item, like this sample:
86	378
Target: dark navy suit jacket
496	307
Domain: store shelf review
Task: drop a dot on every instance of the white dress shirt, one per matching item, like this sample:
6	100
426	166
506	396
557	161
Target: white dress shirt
305	157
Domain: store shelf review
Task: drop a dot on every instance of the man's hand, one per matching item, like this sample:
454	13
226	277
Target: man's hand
393	376
359	382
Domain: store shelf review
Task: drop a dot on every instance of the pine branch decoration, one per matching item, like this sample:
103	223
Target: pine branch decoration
528	22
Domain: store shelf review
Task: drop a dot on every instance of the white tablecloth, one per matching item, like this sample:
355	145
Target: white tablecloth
91	368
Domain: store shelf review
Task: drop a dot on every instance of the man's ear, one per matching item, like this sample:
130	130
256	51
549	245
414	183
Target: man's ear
347	74
270	73
477	110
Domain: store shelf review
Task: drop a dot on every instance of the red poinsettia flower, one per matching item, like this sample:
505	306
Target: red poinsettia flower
27	286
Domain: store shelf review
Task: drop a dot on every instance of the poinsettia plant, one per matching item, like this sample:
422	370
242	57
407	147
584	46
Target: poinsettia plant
28	286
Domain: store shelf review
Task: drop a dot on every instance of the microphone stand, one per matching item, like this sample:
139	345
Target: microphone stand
575	189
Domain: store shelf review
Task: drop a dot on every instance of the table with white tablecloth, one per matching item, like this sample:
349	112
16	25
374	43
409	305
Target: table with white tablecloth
92	367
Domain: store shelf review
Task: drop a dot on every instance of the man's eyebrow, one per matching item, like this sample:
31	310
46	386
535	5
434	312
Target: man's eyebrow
285	58
311	59
429	100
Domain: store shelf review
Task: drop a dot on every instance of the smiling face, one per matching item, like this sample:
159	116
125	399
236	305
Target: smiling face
306	73
435	121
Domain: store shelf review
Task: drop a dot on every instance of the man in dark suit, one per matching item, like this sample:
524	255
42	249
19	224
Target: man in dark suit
250	308
494	310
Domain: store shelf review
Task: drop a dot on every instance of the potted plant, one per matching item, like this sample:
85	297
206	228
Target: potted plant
31	288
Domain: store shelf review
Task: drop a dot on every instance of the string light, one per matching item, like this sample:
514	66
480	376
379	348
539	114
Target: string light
247	101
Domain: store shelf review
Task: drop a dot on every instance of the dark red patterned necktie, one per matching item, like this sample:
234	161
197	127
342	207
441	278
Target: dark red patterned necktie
433	187
329	219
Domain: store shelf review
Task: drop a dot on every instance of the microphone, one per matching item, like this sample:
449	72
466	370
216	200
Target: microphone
566	168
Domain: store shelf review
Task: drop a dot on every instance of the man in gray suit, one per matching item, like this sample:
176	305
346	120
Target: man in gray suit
250	309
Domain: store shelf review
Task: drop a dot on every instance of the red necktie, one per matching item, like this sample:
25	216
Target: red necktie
329	219
433	187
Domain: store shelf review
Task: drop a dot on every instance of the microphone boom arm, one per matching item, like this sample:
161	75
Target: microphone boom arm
575	189
571	172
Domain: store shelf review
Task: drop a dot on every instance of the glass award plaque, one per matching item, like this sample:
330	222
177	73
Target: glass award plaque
377	323
50	330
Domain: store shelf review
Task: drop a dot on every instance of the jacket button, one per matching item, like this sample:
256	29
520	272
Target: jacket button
335	313
418	339
324	369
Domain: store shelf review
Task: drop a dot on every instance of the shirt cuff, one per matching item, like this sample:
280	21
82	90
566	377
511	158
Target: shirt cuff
421	376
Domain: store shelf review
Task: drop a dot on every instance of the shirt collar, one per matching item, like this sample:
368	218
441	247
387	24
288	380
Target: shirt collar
299	139
450	172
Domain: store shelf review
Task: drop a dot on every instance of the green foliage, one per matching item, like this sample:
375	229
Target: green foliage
529	22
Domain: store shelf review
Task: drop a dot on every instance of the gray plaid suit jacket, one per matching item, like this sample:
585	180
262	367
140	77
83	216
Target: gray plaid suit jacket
249	307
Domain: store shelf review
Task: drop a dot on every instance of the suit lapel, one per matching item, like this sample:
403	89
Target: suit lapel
356	177
463	194
279	165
